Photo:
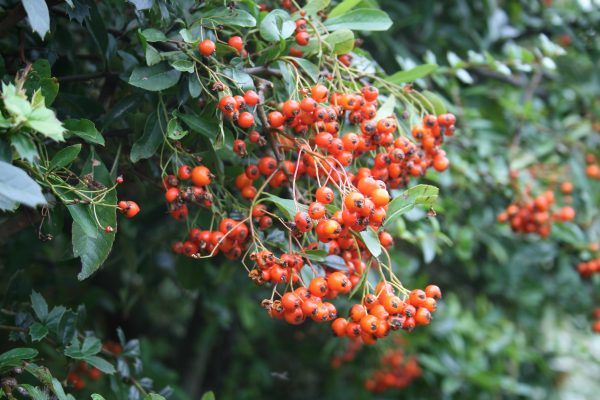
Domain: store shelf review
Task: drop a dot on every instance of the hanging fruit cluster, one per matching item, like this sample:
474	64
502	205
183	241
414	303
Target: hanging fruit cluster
396	371
76	378
535	215
588	268
178	195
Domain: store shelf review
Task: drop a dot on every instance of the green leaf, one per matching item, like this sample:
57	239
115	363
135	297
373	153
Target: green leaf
152	56
311	69
15	102
153	35
317	255
42	374
38	331
25	147
34	392
16	186
174	130
225	16
371	240
242	80
183	65
344	6
15	357
276	26
207	127
146	146
425	195
155	78
40	77
101	364
96	396
58	390
85	129
54	318
412	74
208	396
335	262
194	86
313	7
44	121
439	107
287	206
93	251
362	19
39	305
386	109
5	151
38	16
65	157
341	41
155	396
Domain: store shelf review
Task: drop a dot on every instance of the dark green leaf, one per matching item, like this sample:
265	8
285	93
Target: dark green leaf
362	19
174	130
101	364
225	16
242	80
335	262
38	331
17	186
157	77
96	26
371	240
5	151
412	74
153	35
311	69
14	357
64	157
85	129
40	77
93	251
183	65
39	305
38	16
153	136
207	127
425	195
341	41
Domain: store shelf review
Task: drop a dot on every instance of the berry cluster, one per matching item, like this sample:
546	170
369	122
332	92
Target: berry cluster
230	239
384	311
535	215
179	195
76	377
128	208
233	107
396	372
588	268
348	355
592	170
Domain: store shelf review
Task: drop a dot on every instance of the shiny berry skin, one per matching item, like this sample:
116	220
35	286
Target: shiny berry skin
251	98
184	172
316	210
302	38
276	119
201	176
300	24
339	326
324	195
433	291
245	120
206	47
319	93
172	194
236	42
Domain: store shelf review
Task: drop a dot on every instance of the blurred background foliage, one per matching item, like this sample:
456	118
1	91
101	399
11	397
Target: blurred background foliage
522	78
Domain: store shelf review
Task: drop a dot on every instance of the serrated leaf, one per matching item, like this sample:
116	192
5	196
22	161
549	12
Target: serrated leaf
38	331
16	186
371	240
362	19
412	74
424	195
64	157
44	121
39	305
85	129
155	78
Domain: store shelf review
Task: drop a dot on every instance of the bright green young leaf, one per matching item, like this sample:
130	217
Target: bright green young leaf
343	7
156	396
412	74
39	305
208	396
371	240
85	129
276	26
439	107
155	78
175	131
386	109
16	186
65	157
424	195
362	19
38	16
44	121
341	41
96	396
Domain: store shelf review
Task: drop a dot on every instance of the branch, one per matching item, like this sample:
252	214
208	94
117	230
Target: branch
263	71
